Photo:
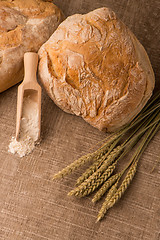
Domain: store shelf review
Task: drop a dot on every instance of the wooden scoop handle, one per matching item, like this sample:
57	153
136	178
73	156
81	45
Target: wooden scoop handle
30	66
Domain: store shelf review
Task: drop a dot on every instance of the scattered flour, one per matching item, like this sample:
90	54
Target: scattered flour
28	129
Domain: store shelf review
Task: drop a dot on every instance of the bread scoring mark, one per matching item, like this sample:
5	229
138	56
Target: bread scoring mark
11	24
10	19
1	57
75	60
34	8
50	68
11	39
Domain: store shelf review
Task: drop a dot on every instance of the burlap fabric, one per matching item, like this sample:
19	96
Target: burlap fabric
32	206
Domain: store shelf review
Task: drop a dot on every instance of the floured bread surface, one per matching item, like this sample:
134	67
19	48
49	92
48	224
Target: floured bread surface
94	67
24	26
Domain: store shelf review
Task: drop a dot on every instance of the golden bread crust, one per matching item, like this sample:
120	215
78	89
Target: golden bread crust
94	67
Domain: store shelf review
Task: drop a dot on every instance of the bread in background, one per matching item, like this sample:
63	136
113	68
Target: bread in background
24	26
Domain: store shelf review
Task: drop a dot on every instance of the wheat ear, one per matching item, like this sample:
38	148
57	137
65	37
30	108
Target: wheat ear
104	207
88	157
105	187
79	162
96	175
91	184
94	167
115	194
109	160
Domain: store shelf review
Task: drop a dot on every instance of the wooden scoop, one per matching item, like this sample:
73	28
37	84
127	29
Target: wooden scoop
29	87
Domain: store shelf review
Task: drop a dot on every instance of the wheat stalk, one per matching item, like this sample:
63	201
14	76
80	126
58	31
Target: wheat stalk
104	159
103	162
115	194
98	177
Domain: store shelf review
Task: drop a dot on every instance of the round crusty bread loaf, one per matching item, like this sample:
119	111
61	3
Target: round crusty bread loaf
24	26
94	67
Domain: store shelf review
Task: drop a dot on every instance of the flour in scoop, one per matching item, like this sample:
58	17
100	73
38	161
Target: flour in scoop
29	129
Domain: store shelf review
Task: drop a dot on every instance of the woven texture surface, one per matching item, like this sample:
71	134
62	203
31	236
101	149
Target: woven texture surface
32	206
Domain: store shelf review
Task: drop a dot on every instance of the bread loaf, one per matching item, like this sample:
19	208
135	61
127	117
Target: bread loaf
93	66
24	26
